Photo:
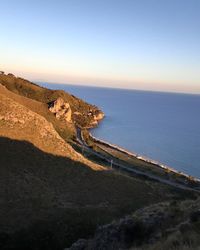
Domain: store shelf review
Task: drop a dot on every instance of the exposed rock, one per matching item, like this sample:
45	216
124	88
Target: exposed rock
21	123
1	72
95	116
81	115
61	109
99	115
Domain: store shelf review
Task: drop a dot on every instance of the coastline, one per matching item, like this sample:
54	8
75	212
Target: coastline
158	168
139	167
176	149
145	159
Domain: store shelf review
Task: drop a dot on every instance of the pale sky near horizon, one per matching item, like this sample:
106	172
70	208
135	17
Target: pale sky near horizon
139	44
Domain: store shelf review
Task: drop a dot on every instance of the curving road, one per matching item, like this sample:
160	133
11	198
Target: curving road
126	169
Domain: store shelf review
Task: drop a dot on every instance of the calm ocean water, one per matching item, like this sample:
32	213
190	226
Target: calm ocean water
161	126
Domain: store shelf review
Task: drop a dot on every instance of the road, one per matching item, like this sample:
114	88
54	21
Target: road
126	169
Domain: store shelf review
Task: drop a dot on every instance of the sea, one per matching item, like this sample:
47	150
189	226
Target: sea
164	127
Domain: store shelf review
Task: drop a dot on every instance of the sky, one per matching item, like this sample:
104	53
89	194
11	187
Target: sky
137	44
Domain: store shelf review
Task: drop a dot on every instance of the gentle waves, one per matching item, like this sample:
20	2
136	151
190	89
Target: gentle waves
161	126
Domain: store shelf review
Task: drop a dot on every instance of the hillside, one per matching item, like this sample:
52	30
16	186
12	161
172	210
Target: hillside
163	226
84	114
50	194
21	123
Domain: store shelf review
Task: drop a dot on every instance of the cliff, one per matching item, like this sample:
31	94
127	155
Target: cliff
83	114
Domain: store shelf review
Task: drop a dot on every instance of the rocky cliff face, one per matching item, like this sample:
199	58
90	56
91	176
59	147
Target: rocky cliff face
61	109
94	115
65	106
19	122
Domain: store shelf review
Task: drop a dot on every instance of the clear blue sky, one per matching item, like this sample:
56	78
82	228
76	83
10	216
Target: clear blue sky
141	44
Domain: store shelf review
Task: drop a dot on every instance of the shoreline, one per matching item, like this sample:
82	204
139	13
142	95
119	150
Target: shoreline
145	159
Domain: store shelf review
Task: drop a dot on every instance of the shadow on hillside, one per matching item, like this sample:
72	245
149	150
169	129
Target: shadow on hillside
48	201
43	198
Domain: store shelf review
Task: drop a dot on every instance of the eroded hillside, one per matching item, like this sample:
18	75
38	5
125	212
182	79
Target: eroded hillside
19	122
51	195
83	114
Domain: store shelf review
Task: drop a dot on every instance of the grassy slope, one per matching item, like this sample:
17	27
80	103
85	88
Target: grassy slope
181	232
163	226
28	89
66	131
38	182
50	196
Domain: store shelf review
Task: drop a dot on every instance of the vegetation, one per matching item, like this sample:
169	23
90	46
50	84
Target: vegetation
35	92
50	194
163	226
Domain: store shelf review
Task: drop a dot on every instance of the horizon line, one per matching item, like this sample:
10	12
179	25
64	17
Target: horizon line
118	88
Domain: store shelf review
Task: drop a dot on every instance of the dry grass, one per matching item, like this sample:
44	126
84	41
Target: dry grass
30	90
19	122
43	177
181	233
50	195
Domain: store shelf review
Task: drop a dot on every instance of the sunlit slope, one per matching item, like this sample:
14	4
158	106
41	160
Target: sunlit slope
28	89
48	190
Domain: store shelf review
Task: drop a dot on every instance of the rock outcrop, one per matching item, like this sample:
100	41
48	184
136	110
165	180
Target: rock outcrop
61	109
75	111
99	115
95	116
18	121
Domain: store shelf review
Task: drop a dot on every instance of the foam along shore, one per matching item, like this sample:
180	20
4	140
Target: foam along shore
146	159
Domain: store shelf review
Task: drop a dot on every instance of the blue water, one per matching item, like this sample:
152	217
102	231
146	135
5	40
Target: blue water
161	126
